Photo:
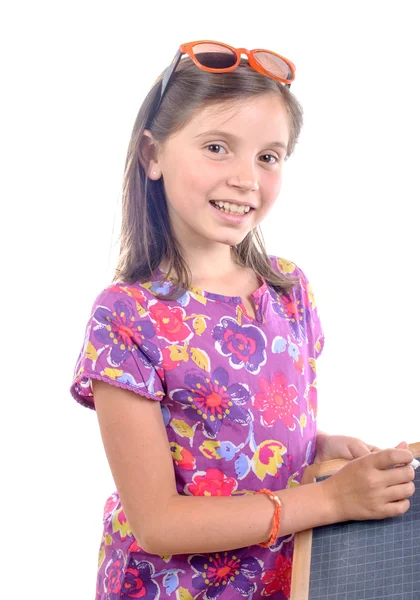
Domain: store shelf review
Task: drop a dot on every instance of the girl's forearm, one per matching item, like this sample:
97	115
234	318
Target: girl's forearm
196	524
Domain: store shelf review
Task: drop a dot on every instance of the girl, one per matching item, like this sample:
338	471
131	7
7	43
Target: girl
200	358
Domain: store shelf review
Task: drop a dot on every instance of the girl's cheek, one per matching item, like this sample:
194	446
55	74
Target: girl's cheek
202	179
272	182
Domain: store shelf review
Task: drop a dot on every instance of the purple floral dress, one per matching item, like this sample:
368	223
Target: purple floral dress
239	401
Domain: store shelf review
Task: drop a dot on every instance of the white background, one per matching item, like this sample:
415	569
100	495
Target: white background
74	75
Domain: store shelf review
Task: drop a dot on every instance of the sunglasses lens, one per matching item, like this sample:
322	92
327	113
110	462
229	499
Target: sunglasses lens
274	65
214	56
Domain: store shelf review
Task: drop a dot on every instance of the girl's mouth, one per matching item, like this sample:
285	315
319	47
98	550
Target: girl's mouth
231	216
231	208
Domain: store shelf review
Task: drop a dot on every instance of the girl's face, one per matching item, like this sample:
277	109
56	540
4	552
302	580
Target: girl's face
227	155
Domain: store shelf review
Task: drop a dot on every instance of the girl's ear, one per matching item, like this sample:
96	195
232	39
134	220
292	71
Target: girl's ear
148	154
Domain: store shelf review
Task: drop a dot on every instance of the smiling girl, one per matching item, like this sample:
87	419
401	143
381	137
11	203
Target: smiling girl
200	357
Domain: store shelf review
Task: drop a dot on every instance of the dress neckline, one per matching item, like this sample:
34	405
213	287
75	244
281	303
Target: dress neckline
219	297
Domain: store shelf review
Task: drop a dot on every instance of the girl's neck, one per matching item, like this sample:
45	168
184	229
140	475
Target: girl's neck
210	266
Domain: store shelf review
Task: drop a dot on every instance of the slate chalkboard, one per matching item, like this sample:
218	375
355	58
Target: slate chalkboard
359	560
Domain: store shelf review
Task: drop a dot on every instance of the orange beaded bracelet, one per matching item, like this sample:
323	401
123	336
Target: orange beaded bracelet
274	533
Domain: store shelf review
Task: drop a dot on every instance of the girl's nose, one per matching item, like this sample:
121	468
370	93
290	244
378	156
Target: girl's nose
245	181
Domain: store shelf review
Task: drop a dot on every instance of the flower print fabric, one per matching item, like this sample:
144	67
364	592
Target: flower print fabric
239	403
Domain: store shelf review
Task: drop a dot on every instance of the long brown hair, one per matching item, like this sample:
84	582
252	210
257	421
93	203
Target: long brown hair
146	235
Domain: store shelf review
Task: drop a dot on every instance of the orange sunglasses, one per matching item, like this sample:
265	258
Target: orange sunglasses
216	57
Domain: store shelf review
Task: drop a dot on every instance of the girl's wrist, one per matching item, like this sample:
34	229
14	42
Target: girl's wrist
331	500
275	524
307	506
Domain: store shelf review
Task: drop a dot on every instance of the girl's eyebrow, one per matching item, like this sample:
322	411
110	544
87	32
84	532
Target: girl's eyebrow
233	137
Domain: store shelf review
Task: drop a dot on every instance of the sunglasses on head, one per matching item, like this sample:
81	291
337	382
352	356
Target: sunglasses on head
216	57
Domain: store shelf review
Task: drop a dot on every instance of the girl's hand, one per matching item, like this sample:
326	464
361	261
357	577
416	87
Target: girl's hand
329	447
374	486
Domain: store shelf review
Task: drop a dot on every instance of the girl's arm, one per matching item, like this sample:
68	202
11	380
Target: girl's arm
164	522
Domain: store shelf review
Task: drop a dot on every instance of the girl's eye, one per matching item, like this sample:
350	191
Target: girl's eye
215	148
269	159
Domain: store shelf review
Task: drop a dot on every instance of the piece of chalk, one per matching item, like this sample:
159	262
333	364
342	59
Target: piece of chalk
415	463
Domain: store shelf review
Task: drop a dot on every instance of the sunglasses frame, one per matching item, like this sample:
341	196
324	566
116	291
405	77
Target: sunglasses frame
253	63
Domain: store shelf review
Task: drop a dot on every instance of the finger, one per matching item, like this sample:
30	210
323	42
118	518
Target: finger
374	448
394	493
391	458
396	509
358	448
398	475
402	445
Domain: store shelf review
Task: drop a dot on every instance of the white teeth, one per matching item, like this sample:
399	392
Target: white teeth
233	208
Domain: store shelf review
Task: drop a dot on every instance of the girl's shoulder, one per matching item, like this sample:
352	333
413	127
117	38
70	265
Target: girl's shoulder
291	271
120	344
138	294
286	267
302	295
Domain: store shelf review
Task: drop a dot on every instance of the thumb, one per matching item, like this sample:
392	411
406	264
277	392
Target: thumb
402	445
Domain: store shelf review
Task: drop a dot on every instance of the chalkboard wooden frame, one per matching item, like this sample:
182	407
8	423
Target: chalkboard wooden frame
303	540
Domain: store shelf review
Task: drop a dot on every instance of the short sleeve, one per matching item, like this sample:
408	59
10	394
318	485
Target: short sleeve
306	297
120	347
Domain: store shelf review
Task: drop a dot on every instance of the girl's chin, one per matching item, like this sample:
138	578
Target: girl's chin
228	241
